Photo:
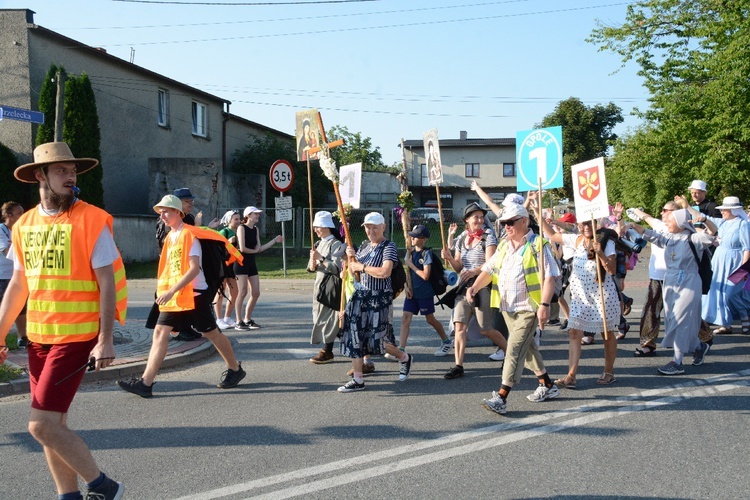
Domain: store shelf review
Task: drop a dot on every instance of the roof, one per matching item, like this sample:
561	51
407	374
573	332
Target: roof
260	126
465	143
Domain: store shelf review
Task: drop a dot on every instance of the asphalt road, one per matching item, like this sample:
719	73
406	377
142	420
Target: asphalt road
286	432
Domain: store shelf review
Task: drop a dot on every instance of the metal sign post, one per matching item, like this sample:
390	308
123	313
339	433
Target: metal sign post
282	177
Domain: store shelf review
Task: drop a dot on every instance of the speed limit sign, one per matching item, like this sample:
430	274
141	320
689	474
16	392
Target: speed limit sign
281	175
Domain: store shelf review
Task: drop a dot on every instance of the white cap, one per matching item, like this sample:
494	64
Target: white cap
512	211
323	219
513	199
374	218
699	185
251	210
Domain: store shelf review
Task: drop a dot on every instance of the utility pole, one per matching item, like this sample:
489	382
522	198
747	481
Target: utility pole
59	105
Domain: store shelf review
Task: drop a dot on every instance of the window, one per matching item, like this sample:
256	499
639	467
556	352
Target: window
163	108
199	119
472	170
509	169
425	180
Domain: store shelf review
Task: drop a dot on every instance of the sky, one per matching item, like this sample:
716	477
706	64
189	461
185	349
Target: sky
389	69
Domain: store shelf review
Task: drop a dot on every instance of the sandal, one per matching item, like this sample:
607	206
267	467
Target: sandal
644	351
566	382
606	379
624	329
722	330
587	340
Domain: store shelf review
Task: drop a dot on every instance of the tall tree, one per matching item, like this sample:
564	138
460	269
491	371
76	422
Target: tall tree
587	133
47	105
81	132
694	58
357	149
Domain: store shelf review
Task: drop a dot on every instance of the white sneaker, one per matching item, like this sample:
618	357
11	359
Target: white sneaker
221	324
542	393
498	355
230	322
444	349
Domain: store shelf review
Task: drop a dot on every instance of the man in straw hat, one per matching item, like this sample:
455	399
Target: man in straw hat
66	263
184	298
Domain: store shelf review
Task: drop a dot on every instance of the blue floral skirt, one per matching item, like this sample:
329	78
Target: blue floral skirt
368	323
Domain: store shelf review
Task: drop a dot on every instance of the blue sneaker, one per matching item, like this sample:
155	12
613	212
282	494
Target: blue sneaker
700	353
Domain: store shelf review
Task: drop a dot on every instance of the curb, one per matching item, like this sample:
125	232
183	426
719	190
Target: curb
203	351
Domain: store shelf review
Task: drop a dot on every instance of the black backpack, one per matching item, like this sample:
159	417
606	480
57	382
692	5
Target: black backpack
398	276
437	274
212	263
704	267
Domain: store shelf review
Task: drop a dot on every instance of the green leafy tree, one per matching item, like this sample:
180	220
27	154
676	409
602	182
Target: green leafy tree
587	133
694	58
81	132
357	149
47	105
12	189
261	152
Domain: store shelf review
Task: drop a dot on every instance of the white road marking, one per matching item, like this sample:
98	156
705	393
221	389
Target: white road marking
577	416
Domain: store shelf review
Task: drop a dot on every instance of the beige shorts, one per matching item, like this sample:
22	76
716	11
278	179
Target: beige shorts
463	310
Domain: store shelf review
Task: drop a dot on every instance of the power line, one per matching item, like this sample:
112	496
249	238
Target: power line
251	4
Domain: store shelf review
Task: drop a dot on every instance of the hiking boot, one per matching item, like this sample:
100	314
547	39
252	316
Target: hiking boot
367	369
322	358
444	349
405	368
352	386
672	368
136	386
543	393
495	403
700	353
252	325
231	378
241	326
108	490
455	372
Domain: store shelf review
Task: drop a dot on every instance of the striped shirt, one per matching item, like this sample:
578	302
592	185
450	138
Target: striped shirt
474	257
374	256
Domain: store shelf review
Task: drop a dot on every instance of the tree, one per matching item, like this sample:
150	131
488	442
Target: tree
11	189
357	149
587	133
47	96
694	58
261	152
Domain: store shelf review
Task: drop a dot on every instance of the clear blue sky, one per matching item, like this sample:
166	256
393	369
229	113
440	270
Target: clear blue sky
388	69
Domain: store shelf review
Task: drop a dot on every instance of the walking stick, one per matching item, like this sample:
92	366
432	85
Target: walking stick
599	278
406	202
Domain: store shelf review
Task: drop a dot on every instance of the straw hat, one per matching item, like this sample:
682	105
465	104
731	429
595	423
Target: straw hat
49	153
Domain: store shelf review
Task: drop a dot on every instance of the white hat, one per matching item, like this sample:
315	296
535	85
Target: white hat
251	210
512	211
730	203
699	185
169	201
323	219
374	218
513	199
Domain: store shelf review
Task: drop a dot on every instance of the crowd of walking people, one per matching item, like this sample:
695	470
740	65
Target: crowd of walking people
510	276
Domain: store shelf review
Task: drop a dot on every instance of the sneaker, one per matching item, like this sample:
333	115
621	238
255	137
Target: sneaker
352	386
543	393
700	353
108	490
23	342
495	403
367	369
230	322
444	349
188	335
136	386
498	355
455	372
241	326
405	368
252	325
222	324
231	378
555	321
564	325
322	358
671	368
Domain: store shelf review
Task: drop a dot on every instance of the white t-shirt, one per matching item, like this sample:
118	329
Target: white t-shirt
199	282
6	264
657	266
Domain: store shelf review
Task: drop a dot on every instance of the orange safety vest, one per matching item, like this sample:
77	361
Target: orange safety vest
174	262
55	251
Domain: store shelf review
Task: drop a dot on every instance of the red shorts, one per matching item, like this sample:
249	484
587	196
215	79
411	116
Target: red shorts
48	365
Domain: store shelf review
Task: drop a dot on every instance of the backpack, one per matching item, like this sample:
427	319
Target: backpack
437	274
704	268
214	256
398	276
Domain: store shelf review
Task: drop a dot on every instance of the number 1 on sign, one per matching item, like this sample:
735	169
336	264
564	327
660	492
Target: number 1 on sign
540	155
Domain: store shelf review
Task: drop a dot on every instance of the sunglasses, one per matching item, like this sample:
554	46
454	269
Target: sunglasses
664	210
509	223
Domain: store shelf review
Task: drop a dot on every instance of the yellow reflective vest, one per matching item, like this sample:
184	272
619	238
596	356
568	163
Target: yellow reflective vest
530	270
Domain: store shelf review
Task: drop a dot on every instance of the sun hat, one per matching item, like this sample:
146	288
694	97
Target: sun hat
419	231
568	217
513	199
323	219
184	194
513	211
374	218
49	153
169	201
251	210
730	203
471	208
699	185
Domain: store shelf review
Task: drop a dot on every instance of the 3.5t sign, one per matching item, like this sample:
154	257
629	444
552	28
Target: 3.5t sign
281	175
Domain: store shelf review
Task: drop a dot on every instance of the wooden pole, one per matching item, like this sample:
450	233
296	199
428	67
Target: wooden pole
405	217
60	105
541	251
309	197
599	278
440	213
